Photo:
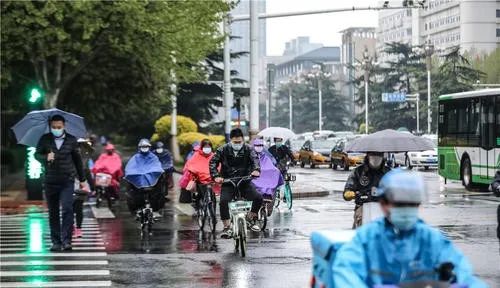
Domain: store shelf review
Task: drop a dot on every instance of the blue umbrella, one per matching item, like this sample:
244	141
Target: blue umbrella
30	129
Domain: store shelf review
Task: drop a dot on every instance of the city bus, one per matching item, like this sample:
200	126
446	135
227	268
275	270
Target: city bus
469	136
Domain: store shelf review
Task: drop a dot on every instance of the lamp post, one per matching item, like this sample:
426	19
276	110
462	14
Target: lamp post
429	50
367	63
173	126
318	73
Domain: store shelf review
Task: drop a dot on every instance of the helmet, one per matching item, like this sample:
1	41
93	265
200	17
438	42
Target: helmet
159	144
402	186
144	142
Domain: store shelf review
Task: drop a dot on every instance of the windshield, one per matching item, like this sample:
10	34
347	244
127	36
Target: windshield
323	144
296	144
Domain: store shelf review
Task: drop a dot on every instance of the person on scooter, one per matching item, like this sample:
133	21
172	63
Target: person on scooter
362	183
281	153
167	163
110	162
400	247
236	159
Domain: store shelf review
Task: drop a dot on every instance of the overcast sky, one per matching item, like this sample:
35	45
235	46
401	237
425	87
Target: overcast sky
322	28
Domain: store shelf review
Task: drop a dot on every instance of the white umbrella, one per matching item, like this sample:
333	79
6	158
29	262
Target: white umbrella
277	132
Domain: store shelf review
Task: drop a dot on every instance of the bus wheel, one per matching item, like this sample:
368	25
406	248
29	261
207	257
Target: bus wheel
467	174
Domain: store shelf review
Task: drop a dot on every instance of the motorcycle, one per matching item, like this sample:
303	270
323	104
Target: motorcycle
102	189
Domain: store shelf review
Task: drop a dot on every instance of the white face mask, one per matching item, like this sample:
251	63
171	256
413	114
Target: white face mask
375	161
159	150
144	149
258	149
207	150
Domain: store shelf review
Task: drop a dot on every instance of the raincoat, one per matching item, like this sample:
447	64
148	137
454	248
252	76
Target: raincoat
197	166
143	170
270	176
109	164
166	160
379	255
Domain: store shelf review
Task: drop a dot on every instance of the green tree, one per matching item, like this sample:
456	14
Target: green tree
490	65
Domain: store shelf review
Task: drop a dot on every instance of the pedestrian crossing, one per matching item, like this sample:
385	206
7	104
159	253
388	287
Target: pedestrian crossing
25	259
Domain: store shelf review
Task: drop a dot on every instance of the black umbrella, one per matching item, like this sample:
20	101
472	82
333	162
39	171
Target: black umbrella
390	141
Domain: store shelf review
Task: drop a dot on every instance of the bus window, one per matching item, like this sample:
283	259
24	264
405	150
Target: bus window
474	123
497	112
488	138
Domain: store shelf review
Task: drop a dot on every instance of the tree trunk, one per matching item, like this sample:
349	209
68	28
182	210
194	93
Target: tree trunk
51	98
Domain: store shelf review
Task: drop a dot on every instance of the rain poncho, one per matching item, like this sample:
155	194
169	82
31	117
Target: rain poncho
197	166
270	176
166	160
379	255
112	165
143	170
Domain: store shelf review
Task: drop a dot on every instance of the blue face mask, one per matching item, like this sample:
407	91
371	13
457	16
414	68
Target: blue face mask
403	218
57	132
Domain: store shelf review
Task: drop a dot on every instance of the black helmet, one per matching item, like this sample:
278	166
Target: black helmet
159	144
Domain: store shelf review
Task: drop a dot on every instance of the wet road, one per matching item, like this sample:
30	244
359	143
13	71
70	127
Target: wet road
177	255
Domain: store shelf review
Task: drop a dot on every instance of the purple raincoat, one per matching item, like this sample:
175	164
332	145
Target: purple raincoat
270	177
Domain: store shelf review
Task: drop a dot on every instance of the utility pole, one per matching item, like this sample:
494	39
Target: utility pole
429	50
320	102
254	58
367	61
290	106
228	101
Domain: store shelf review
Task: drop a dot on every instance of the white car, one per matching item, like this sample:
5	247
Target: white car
427	159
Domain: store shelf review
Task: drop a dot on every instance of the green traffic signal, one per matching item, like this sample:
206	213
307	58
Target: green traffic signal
35	95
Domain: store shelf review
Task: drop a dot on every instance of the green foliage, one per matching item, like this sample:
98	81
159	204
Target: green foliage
187	139
184	125
217	140
490	65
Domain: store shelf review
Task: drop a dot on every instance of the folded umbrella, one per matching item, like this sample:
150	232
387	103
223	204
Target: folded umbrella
31	128
389	141
277	132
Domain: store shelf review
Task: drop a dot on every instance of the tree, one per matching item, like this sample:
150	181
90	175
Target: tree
61	39
490	65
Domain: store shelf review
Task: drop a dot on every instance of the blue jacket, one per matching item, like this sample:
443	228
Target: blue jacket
379	255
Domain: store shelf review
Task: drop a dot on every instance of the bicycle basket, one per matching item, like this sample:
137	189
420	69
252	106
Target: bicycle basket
240	206
290	177
102	179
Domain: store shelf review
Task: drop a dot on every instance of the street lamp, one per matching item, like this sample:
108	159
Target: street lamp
173	123
367	66
289	84
429	50
318	73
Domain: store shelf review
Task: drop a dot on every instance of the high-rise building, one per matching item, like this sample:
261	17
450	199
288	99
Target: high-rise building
240	31
354	42
300	45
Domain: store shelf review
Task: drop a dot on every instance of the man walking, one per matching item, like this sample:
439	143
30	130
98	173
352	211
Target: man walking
59	153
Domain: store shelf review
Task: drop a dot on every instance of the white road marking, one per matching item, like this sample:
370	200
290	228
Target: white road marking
102	213
55	254
26	249
26	243
54	263
55	273
57	284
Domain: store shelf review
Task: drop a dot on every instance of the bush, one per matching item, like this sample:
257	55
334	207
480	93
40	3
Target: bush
185	140
217	140
162	126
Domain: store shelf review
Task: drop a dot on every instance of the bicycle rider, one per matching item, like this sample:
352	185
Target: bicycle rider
236	159
282	154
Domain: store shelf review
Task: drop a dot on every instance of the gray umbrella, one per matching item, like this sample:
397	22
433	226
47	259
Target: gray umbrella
390	141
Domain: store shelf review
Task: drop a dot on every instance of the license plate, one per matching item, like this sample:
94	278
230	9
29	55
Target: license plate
431	160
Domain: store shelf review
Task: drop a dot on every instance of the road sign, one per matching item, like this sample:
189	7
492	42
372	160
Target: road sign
394	97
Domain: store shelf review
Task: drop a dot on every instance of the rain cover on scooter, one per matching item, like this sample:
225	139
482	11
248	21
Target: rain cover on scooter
270	176
143	170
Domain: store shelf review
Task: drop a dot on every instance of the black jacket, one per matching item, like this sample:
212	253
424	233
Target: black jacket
242	164
280	153
362	180
67	163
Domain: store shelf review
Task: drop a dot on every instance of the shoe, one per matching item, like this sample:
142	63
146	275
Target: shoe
226	233
77	233
254	227
55	248
156	215
67	247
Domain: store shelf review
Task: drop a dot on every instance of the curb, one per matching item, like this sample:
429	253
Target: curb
319	193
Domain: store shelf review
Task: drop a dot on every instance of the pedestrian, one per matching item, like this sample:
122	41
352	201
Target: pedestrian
80	195
60	155
495	187
363	181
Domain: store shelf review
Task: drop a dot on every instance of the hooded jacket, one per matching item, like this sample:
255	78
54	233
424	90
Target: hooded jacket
234	164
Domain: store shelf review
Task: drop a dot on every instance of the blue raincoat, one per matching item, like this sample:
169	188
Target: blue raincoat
143	170
379	255
166	161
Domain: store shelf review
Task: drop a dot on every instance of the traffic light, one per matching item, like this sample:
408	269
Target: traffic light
35	95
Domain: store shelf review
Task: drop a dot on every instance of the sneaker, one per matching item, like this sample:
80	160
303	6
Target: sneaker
77	233
55	248
67	247
156	215
254	227
226	233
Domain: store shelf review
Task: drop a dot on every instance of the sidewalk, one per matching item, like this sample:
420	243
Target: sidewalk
13	195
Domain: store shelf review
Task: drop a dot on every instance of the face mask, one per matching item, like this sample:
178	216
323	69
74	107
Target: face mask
403	218
207	150
258	149
144	149
57	132
278	144
159	150
375	161
237	146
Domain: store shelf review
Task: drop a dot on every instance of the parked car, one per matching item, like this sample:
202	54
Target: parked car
427	159
295	145
323	134
340	158
316	152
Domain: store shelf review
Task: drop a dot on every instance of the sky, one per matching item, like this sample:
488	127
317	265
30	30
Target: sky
322	28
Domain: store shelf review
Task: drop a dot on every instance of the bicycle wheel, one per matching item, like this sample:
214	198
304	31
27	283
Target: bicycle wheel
288	195
262	218
241	237
277	198
201	216
212	216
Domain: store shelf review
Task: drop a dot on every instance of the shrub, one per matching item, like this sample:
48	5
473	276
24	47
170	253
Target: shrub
185	140
162	126
217	140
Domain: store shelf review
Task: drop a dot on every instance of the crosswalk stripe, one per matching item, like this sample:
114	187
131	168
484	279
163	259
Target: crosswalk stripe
54	262
75	243
57	284
10	249
55	273
2	237
54	254
22	233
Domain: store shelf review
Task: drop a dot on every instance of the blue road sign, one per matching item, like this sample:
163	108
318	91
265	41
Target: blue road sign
394	97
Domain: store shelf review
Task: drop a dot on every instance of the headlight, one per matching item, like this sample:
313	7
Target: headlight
316	153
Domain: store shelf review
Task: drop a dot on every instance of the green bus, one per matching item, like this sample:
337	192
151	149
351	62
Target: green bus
469	136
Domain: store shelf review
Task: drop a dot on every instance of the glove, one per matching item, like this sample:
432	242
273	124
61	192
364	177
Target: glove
349	195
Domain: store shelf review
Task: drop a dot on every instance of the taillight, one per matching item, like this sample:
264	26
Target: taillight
313	281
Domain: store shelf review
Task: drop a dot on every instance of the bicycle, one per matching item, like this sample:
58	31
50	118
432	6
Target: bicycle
206	207
287	194
238	210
